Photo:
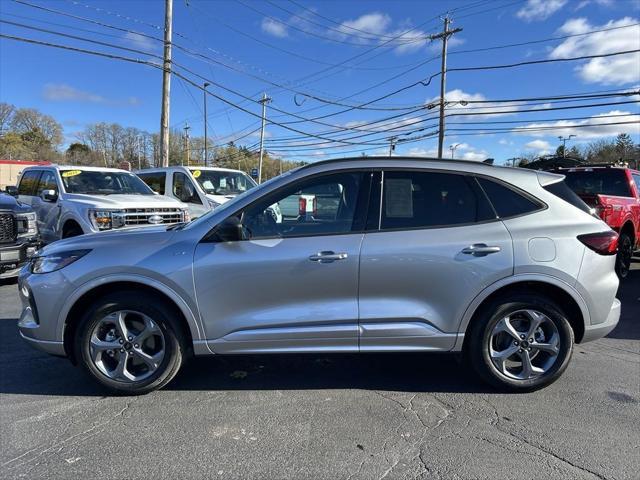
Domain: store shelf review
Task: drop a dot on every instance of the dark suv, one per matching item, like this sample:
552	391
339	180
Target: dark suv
19	238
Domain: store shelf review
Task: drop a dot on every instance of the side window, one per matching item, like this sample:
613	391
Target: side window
636	179
506	201
47	182
184	190
431	199
327	205
28	182
156	181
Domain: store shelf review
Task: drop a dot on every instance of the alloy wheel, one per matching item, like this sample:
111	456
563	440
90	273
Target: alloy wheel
127	346
524	345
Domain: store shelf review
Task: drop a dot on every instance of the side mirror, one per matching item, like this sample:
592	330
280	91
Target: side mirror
230	230
12	190
49	195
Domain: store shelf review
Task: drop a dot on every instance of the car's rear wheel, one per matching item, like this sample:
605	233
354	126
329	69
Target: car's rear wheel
625	253
520	343
129	343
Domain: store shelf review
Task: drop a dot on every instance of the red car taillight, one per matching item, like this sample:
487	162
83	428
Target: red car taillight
604	243
302	206
602	210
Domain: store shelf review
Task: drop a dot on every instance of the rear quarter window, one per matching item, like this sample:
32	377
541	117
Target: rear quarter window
562	191
155	181
506	201
28	182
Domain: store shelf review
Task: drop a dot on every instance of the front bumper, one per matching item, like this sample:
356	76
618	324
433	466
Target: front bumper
599	330
13	256
38	323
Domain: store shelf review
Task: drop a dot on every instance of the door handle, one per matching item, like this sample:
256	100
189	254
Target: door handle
480	250
327	257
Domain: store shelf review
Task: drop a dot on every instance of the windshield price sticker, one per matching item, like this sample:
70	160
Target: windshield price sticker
197	173
71	173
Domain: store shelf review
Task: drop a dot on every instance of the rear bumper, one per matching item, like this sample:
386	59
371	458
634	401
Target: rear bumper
594	332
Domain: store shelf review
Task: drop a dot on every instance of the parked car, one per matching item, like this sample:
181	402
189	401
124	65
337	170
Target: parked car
507	266
18	235
201	188
71	201
614	193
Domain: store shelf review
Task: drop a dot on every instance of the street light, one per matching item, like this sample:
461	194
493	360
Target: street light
453	148
204	92
564	144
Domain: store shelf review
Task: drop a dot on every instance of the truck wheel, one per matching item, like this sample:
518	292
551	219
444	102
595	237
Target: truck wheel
130	343
520	343
72	230
625	252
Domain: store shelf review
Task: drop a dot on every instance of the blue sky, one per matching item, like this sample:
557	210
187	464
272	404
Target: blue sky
286	41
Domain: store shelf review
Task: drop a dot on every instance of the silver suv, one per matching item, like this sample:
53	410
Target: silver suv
505	265
70	201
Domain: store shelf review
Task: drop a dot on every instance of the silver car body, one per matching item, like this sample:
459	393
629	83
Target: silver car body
408	290
69	207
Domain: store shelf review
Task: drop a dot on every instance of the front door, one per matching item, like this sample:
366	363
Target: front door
291	283
438	244
47	212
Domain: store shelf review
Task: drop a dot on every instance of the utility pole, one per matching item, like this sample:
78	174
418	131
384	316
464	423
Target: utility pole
186	143
166	84
204	91
392	145
446	33
564	144
453	149
264	102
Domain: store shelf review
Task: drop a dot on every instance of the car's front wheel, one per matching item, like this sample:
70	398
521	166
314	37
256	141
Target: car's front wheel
130	343
520	343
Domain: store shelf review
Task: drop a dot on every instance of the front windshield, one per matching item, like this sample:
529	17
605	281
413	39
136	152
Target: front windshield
94	182
221	182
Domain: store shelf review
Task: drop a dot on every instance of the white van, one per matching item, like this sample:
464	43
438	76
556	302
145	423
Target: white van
201	188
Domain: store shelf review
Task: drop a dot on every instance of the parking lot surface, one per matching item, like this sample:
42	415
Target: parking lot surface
311	416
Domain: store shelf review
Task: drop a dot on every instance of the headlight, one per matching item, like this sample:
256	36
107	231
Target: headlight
56	261
101	219
27	224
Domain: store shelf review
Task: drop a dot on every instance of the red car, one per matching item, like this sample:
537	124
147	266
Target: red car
614	193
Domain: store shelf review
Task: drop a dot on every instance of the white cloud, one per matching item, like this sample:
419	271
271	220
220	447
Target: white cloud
537	10
141	42
273	27
422	152
602	3
480	110
595	127
463	151
375	23
541	147
616	70
62	92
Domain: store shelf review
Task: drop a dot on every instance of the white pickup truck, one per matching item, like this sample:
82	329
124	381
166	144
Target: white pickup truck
71	201
201	188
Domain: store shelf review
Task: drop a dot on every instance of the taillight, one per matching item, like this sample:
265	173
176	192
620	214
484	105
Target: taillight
314	207
302	206
601	209
604	243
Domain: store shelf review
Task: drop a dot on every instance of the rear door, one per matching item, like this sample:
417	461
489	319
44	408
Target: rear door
437	245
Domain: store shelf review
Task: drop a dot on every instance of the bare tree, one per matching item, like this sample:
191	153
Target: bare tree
6	115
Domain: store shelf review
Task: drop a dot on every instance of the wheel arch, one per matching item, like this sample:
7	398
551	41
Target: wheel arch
629	229
69	223
550	287
81	299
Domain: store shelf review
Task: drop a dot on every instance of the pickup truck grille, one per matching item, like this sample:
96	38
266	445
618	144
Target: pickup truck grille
8	228
141	216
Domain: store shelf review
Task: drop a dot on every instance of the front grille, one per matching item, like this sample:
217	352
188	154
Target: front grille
8	228
141	216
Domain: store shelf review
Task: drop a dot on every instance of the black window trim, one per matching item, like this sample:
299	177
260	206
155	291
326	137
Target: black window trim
55	180
518	190
367	173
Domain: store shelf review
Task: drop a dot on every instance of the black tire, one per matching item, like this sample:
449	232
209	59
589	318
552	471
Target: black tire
478	337
175	345
625	253
72	231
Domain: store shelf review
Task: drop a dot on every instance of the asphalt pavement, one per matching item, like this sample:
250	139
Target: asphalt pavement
320	416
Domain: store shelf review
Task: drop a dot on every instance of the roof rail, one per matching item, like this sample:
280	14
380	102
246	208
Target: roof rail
395	158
